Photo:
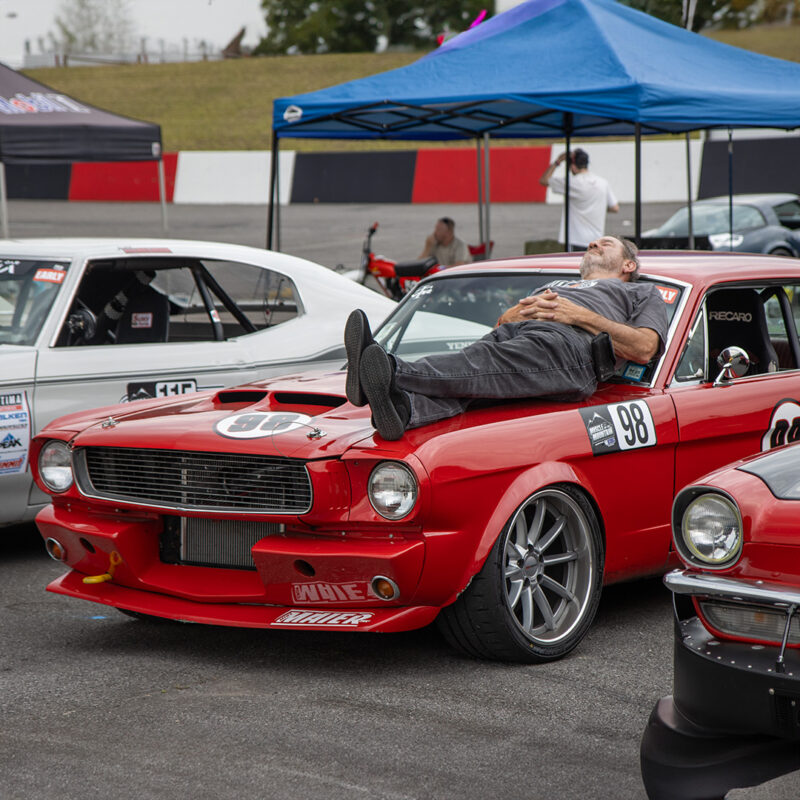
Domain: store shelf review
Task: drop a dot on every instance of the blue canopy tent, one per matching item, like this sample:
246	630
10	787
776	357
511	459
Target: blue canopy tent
553	68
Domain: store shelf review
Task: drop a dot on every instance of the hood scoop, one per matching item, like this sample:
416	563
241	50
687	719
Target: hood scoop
307	399
240	396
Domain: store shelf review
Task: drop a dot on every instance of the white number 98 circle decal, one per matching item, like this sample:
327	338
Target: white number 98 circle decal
260	424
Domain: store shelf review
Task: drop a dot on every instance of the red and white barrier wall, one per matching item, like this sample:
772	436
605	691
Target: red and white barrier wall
427	175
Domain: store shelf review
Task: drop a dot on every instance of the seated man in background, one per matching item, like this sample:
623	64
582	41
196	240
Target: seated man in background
542	347
444	246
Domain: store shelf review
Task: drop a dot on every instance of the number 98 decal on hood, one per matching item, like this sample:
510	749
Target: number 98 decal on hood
260	424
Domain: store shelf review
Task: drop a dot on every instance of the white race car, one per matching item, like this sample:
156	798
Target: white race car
93	322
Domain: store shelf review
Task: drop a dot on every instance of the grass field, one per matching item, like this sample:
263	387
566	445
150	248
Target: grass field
227	105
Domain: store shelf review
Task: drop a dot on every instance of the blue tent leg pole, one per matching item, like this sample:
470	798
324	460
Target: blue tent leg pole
272	179
487	194
730	188
689	192
638	159
480	191
567	173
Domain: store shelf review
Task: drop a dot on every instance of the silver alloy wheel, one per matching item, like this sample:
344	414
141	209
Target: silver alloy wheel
548	566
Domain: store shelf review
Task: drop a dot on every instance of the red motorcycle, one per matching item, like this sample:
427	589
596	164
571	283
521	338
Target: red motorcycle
397	278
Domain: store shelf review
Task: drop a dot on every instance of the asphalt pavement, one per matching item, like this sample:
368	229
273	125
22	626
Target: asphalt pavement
328	233
97	704
93	703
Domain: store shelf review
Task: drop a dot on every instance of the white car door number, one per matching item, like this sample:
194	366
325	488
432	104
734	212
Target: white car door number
170	388
620	426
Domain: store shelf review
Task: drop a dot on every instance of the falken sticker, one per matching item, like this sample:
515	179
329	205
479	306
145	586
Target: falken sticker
260	424
15	421
330	619
784	425
620	426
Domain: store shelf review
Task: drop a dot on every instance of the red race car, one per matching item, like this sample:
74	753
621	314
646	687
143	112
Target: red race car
277	505
734	719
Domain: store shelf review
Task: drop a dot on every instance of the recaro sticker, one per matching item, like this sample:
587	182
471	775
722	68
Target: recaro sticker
260	424
784	425
620	426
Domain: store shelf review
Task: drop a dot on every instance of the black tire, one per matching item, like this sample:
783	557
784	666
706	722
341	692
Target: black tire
781	251
538	592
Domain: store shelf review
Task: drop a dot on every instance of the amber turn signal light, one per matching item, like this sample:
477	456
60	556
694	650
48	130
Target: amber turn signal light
385	588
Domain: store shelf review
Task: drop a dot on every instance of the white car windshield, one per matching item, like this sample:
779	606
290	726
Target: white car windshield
28	288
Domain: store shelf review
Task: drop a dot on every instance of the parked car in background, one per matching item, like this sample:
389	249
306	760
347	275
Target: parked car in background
277	505
88	322
734	717
762	223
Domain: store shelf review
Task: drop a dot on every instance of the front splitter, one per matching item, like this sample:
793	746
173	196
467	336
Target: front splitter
237	615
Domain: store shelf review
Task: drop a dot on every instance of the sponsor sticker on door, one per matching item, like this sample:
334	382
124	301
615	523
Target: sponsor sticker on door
15	431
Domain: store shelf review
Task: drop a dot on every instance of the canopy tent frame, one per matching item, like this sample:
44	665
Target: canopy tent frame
523	74
39	125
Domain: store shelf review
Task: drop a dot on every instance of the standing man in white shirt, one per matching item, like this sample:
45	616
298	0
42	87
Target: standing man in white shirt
590	197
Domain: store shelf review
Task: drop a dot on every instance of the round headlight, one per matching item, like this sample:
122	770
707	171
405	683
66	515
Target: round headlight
55	466
392	490
711	528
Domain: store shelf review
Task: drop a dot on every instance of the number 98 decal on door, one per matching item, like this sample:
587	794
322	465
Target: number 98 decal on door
621	426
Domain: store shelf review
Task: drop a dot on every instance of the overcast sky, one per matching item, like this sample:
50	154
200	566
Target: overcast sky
215	21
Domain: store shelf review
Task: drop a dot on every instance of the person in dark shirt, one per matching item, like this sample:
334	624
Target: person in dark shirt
541	347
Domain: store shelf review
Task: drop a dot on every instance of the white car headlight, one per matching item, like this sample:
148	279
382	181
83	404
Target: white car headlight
711	529
392	490
55	466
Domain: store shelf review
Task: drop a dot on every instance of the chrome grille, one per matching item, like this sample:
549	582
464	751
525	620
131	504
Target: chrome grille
222	543
185	479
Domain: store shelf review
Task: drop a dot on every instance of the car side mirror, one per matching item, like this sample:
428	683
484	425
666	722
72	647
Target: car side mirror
734	363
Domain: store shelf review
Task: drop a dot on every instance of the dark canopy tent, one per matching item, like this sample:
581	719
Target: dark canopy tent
39	124
555	68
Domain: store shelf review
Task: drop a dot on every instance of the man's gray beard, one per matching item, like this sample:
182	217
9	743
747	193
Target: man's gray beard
596	263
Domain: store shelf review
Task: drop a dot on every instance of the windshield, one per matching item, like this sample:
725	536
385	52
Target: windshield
27	290
448	313
709	218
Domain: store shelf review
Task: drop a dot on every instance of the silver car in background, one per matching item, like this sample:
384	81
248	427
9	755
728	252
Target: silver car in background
762	223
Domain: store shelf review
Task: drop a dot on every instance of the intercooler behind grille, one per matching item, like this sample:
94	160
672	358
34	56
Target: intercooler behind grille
185	479
213	542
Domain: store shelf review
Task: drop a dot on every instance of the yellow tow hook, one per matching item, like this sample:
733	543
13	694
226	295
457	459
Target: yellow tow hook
113	561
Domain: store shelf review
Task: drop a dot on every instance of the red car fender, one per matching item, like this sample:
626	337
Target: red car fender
439	549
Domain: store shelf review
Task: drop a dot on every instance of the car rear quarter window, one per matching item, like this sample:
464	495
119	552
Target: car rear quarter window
788	213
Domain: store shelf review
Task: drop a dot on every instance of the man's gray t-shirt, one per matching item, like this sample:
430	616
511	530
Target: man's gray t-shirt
639	305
